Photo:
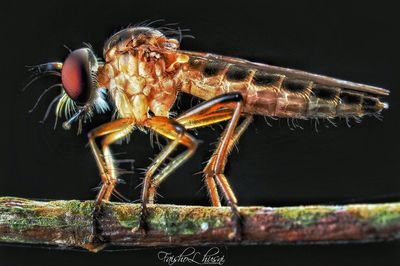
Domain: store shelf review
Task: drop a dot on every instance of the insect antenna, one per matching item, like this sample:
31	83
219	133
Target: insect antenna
38	71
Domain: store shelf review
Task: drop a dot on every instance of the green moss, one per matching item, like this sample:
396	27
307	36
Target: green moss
250	211
172	220
304	216
14	199
175	220
26	214
184	221
28	219
76	207
380	216
127	216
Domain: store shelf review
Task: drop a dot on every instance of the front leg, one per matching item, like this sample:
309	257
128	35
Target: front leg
113	131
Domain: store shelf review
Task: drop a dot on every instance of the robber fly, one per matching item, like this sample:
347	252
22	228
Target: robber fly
142	73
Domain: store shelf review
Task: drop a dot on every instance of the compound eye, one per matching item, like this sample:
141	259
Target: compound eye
76	75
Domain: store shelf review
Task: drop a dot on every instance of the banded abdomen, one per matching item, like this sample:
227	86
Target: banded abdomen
280	92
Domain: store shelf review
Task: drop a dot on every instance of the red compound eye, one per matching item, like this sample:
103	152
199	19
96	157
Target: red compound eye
76	75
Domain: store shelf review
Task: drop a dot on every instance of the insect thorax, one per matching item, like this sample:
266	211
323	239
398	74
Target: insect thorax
135	72
138	82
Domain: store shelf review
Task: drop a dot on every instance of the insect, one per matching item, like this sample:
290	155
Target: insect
143	71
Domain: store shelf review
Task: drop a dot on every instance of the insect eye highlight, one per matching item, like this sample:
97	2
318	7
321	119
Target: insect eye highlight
77	75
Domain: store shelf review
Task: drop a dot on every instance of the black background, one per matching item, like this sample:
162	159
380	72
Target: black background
276	166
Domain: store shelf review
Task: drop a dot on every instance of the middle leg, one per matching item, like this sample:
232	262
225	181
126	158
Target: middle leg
224	107
220	108
177	133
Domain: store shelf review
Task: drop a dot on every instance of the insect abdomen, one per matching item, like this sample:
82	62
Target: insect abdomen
289	97
272	94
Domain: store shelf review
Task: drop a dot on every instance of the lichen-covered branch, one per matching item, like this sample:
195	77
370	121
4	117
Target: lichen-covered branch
70	224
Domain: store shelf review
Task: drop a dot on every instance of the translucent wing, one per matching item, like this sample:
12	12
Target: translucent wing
293	73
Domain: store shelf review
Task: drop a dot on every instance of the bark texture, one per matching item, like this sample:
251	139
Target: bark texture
71	224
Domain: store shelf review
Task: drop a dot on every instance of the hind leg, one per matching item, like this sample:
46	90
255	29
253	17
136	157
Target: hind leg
216	166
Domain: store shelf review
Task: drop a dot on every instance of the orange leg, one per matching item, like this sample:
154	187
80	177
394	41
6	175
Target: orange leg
215	168
112	131
208	170
235	138
210	112
207	113
159	178
195	121
177	133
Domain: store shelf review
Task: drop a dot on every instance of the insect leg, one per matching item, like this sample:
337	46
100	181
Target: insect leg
108	158
177	133
104	163
224	107
238	133
209	179
204	114
228	139
197	122
216	170
105	167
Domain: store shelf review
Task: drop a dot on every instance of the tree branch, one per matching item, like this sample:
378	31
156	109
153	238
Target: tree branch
70	224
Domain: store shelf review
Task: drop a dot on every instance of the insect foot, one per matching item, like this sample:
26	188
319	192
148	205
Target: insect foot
95	242
143	226
237	232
